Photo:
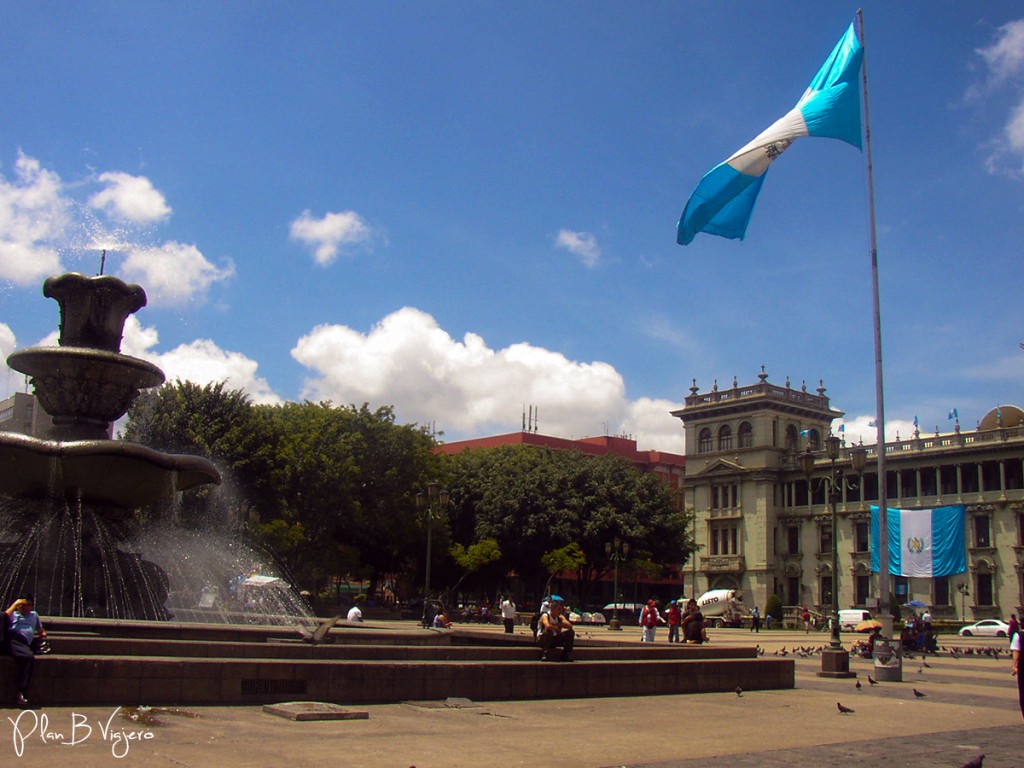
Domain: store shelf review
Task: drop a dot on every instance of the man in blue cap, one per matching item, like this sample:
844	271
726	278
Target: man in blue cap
556	631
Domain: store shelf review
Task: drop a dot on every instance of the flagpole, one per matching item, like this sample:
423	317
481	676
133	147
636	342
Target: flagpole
884	579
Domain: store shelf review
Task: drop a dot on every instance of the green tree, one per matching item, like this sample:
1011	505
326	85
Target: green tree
210	421
567	558
773	608
533	501
472	559
329	489
394	462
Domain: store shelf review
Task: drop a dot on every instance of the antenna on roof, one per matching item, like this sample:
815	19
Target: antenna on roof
530	419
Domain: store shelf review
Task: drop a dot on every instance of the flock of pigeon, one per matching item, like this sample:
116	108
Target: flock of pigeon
807	651
955	652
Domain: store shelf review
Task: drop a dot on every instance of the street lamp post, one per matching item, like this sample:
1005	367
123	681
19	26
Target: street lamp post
965	592
617	552
437	497
835	662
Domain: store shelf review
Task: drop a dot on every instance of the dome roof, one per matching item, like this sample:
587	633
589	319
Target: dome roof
1002	416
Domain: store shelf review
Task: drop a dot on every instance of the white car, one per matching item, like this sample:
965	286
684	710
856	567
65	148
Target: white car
986	628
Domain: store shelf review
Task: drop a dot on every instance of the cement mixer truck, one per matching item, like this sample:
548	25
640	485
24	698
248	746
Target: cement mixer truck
721	607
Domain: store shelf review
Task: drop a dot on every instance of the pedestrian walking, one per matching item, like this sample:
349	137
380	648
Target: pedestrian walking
675	618
508	614
755	620
650	618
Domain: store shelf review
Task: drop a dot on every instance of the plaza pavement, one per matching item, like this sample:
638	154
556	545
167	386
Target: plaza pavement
970	707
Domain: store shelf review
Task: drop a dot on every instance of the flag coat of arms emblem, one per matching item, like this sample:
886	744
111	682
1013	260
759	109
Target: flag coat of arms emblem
922	542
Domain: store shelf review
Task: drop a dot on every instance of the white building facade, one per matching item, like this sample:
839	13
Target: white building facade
764	527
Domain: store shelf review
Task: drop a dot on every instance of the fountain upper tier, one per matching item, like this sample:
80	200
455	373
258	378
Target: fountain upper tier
86	384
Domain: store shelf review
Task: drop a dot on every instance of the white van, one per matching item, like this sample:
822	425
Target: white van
851	617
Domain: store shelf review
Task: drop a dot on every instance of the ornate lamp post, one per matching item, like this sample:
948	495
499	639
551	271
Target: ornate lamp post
435	501
965	592
617	552
835	662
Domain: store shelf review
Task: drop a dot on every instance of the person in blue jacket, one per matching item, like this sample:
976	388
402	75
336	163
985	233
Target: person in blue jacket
23	634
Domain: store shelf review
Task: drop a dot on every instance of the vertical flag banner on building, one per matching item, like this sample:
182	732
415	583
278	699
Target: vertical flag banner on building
922	542
830	108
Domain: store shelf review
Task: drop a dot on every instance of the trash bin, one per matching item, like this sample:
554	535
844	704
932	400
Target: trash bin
888	658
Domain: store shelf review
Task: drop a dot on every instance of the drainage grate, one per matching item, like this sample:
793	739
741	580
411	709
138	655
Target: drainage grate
273	687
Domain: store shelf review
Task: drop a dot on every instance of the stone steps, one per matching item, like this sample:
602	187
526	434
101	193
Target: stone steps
165	664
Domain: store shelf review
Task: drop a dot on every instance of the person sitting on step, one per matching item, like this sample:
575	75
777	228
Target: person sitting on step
555	631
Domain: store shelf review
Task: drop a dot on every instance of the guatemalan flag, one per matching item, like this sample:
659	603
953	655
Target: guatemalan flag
922	542
830	108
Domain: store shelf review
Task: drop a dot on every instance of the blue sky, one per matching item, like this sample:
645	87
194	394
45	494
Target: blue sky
464	209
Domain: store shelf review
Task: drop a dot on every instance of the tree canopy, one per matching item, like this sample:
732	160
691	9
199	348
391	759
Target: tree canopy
331	490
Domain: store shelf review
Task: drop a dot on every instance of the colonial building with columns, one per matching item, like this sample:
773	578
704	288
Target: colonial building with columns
764	527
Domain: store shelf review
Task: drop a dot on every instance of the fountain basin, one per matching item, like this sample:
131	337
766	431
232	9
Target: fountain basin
115	472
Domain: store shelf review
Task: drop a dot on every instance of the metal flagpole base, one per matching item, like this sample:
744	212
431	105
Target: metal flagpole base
835	663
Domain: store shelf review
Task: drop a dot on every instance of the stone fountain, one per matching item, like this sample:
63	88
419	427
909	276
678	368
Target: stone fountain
71	508
71	501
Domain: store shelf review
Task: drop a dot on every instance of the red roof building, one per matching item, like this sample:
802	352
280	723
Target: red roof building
669	467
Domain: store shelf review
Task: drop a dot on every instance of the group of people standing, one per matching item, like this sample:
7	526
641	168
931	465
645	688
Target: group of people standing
687	622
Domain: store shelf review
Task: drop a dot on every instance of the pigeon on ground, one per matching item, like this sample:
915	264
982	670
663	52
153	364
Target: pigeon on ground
858	686
975	763
918	694
739	691
844	710
872	680
926	664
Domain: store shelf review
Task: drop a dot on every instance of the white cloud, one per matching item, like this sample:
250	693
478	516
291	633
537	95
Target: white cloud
201	362
39	221
582	244
666	330
174	273
1015	130
1008	368
860	430
33	215
469	389
1005	61
10	381
1005	57
650	421
130	198
328	234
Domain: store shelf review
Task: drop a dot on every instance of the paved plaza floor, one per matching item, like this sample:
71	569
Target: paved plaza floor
969	708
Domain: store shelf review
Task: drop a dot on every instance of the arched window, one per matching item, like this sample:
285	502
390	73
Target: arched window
725	438
704	441
814	439
746	435
791	443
